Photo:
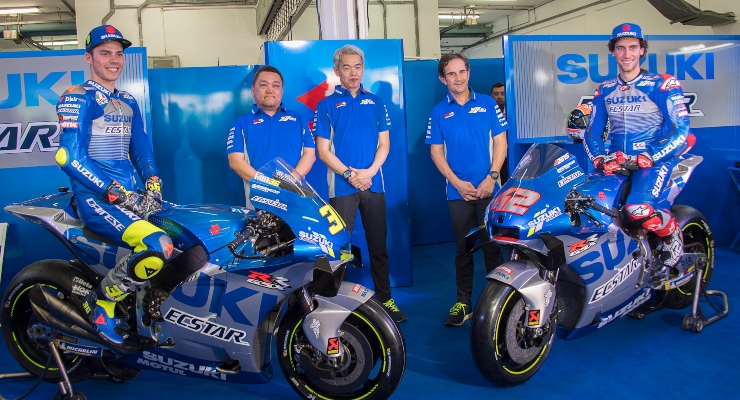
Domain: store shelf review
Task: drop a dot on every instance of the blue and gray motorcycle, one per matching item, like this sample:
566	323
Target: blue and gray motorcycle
241	280
577	264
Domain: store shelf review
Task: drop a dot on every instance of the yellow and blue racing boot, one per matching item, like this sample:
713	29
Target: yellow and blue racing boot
102	317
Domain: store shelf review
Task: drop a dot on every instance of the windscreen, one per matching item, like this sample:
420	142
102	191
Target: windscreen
279	173
539	159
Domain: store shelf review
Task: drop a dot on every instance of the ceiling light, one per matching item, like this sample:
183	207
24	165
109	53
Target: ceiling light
449	16
27	10
59	43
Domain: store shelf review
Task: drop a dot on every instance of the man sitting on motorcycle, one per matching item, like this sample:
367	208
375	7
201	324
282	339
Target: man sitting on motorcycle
648	129
102	146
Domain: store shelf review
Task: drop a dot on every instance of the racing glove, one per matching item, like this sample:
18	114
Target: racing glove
614	163
644	160
154	193
118	195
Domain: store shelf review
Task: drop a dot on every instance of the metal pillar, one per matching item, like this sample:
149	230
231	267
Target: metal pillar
343	19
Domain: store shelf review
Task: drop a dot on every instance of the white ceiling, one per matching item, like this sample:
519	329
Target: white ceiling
487	10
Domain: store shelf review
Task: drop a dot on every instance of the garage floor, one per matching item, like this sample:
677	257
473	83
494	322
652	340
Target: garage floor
649	359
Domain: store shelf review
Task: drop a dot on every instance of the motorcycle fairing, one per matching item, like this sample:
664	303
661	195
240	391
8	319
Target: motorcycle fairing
600	320
57	215
164	360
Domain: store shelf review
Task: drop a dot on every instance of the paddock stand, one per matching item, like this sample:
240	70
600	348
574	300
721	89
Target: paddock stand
696	321
65	386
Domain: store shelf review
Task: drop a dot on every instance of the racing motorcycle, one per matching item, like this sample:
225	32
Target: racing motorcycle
577	264
238	275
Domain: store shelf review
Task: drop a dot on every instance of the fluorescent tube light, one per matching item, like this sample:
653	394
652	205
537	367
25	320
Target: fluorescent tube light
27	10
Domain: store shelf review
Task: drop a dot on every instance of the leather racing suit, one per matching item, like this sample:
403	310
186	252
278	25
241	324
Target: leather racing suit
649	121
103	142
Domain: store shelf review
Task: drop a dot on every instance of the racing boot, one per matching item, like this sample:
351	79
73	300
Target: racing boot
670	249
102	317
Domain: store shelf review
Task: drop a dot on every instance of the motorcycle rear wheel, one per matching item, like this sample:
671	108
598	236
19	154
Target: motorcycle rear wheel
697	238
32	351
501	351
373	364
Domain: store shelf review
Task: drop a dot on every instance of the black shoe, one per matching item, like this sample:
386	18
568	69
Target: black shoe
459	313
394	311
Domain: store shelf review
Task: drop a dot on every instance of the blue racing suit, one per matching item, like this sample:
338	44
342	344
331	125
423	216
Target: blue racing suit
103	141
647	119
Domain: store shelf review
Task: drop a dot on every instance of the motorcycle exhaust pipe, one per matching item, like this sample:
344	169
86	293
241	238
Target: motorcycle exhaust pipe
56	314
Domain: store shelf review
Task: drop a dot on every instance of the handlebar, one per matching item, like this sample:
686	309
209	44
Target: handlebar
240	238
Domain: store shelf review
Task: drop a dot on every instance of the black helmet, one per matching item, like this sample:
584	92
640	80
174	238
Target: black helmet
578	121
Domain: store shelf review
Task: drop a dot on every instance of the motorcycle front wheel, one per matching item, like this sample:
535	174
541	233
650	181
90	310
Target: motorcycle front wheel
372	364
26	337
505	351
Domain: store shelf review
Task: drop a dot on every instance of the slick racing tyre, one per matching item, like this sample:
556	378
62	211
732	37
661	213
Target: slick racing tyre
505	351
27	339
697	238
371	366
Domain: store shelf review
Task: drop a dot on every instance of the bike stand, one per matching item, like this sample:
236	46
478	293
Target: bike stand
65	386
696	321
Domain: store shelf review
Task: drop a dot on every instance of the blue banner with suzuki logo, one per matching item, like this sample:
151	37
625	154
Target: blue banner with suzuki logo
31	84
307	68
549	75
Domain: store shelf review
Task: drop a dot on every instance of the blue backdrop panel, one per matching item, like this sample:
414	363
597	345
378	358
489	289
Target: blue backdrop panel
430	216
192	112
307	69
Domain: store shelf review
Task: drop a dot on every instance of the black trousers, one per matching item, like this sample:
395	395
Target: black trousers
372	211
466	215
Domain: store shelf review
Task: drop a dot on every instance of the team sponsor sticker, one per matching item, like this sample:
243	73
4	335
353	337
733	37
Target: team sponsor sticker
533	317
581	246
268	281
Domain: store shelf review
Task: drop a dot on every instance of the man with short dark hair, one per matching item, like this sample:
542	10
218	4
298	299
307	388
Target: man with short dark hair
269	131
498	92
648	126
104	150
353	140
468	147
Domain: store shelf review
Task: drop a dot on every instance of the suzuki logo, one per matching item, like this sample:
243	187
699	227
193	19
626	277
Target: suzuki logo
32	87
577	68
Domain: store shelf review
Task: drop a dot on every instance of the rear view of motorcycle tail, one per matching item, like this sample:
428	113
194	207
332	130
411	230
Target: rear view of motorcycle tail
577	263
233	274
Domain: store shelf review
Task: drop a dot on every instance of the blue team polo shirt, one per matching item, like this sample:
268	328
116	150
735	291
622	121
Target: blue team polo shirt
265	137
467	132
352	125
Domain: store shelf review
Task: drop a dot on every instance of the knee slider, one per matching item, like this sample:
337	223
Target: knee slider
146	264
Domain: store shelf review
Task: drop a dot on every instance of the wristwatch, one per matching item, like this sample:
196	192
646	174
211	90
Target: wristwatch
347	174
494	175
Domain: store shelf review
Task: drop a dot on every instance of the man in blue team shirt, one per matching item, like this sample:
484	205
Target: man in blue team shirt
468	147
269	131
649	126
352	139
